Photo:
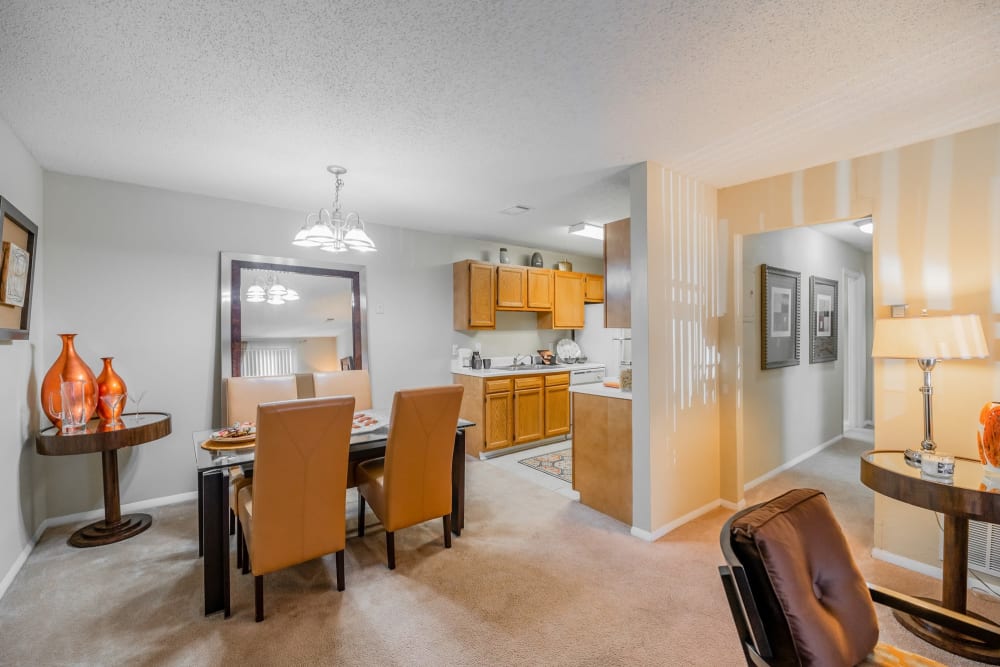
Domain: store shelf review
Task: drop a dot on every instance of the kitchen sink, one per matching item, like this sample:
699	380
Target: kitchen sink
523	367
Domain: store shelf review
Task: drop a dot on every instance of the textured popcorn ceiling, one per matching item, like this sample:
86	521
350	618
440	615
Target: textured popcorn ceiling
447	112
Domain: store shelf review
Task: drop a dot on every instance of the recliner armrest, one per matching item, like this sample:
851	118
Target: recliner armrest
953	620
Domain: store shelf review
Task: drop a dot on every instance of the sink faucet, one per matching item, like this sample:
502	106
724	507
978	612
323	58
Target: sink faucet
518	360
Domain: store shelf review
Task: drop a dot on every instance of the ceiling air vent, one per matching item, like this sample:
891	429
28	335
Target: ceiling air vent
516	209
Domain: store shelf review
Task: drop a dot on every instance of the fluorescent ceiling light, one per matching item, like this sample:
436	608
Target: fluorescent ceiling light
588	230
865	225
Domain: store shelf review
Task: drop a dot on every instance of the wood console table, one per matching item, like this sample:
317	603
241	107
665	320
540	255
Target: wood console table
98	437
959	498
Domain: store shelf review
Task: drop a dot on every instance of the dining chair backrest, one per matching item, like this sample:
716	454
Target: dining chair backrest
345	383
244	394
418	454
300	481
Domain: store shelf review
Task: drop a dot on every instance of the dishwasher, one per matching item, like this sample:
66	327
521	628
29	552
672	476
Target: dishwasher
584	376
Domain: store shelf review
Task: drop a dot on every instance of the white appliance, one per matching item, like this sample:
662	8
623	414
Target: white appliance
587	375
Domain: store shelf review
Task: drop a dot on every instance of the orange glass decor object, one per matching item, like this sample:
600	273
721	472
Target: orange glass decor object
988	436
109	382
69	366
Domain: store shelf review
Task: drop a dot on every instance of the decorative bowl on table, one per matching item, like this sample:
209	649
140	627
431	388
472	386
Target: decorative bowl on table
238	432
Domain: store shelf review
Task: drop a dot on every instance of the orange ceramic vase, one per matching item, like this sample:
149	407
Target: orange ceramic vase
109	382
69	366
988	437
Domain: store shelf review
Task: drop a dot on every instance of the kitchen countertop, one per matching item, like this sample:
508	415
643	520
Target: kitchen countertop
497	372
598	389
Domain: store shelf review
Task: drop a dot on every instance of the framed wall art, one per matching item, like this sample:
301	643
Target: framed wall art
17	249
822	320
779	317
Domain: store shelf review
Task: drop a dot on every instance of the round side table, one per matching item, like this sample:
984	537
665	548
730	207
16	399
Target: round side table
100	437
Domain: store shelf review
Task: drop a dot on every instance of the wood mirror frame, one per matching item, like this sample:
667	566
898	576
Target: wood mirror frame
231	264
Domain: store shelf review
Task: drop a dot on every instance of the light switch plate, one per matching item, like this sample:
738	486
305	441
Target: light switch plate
898	311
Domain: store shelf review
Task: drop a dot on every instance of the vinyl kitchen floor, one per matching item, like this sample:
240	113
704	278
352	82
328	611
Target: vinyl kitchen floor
511	463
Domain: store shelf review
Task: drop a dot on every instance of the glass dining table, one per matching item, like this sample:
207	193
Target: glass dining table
213	468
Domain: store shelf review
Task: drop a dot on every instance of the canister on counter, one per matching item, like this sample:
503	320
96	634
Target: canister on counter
625	377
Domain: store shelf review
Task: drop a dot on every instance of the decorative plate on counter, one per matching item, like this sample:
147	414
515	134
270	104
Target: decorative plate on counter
567	350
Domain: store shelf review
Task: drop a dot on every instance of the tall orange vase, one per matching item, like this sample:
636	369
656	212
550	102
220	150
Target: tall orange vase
69	366
109	382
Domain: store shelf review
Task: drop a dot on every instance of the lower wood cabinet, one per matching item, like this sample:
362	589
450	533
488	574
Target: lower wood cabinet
498	416
529	408
602	454
513	410
556	404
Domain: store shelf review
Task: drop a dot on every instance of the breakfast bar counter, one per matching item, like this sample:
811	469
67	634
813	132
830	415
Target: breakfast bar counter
602	449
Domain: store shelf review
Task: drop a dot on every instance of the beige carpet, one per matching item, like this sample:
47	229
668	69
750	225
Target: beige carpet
536	579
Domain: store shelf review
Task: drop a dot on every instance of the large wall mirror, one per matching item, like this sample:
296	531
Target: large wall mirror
282	316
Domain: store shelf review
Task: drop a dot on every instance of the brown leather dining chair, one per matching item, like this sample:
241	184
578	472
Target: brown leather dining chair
295	509
798	598
345	383
243	395
412	483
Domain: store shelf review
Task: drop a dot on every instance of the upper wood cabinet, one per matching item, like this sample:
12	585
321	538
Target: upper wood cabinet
567	303
474	290
593	288
617	275
540	289
512	287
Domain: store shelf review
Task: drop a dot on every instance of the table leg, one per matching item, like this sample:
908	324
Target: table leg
216	540
458	484
114	527
201	515
954	588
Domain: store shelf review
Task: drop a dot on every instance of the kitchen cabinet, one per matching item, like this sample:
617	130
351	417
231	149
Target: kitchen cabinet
514	409
498	417
617	275
474	286
593	288
512	287
529	409
556	404
540	289
567	303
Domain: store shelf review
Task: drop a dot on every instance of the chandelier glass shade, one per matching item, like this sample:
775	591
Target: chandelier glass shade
272	292
332	230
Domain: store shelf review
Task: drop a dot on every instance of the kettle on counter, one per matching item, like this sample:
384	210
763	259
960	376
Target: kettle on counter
477	360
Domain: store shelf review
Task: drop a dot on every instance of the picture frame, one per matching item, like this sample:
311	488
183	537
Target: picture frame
779	317
823	320
17	270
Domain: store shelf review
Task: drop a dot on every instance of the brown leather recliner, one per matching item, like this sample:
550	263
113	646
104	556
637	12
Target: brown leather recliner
243	395
798	598
412	484
345	383
295	509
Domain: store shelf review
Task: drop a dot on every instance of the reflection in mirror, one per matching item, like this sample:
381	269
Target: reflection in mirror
283	316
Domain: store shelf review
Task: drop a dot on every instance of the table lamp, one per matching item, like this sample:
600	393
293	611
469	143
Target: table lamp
929	340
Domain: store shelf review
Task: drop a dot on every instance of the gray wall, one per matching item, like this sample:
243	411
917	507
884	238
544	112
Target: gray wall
21	498
789	411
135	272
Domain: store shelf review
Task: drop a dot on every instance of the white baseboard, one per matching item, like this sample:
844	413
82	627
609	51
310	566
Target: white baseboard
15	567
137	506
652	536
907	563
51	522
729	505
790	464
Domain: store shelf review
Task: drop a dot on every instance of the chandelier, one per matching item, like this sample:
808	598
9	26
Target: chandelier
333	231
271	291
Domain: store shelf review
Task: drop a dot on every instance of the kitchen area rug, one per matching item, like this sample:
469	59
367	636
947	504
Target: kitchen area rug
558	464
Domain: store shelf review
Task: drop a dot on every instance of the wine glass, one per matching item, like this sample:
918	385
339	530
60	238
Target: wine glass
111	402
135	397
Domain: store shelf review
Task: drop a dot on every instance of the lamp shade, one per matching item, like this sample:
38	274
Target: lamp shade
945	337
